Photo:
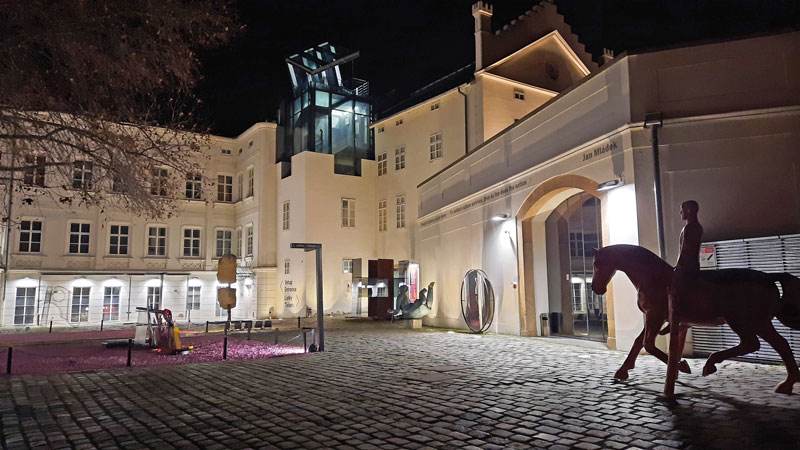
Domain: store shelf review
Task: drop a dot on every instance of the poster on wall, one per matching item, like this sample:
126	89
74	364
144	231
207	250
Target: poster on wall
708	257
412	281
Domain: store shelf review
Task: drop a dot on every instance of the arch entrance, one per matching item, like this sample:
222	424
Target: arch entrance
560	218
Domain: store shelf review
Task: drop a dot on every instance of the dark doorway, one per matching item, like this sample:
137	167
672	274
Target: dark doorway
573	229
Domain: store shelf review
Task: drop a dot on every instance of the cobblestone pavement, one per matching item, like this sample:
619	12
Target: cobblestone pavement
380	386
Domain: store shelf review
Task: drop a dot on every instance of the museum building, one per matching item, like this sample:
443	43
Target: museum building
515	166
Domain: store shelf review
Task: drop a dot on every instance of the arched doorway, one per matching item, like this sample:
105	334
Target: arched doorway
572	230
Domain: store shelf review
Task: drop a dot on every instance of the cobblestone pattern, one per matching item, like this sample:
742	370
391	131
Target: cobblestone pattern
379	386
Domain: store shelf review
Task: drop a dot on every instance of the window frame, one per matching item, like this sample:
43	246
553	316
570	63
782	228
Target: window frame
400	158
35	176
192	240
80	234
251	181
119	237
400	211
159	182
29	242
347	265
286	215
348	209
436	145
81	293
194	186
109	302
153	297
28	305
382	226
519	95
193	297
382	165
217	241
86	171
249	239
224	189
159	239
287	266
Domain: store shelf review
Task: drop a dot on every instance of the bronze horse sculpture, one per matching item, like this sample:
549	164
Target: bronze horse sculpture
745	299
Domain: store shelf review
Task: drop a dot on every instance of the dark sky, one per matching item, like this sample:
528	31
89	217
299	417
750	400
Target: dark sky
407	44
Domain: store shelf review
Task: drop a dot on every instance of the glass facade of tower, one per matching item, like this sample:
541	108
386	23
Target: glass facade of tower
330	112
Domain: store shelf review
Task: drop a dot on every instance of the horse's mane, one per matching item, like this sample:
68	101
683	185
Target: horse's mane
634	254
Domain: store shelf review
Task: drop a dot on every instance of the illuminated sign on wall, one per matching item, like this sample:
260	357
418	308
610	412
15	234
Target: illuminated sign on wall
412	281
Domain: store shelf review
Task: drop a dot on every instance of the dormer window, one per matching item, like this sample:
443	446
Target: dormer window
227	151
434	106
519	95
398	122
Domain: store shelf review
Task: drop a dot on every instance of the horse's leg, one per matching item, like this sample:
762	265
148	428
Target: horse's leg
748	343
768	333
652	328
638	343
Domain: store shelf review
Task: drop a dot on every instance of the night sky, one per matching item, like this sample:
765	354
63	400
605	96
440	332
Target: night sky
407	44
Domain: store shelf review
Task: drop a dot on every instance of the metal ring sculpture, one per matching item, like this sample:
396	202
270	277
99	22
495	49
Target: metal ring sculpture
477	301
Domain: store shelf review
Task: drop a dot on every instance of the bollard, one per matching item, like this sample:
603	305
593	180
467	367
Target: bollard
130	347
276	335
298	321
305	347
225	348
8	363
102	321
206	327
248	333
51	326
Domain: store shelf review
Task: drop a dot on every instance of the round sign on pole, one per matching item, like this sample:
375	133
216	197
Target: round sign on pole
226	269
477	301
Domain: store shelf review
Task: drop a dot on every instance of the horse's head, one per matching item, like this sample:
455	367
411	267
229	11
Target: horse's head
603	271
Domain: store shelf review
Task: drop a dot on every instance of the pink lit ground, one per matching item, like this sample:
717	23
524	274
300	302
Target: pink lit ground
39	354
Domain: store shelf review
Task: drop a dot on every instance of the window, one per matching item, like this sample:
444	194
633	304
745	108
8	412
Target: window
249	240
30	236
219	312
111	303
194	186
398	122
240	186
347	265
116	183
34	176
156	241
519	95
191	242
436	145
158	182
287	267
193	298
154	297
382	164
434	106
118	240
224	242
224	188
286	215
82	175
226	151
79	308
401	211
25	306
238	248
380	129
251	181
400	158
79	238
348	213
382	215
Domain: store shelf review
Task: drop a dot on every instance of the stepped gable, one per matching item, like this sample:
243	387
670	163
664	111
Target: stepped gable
535	23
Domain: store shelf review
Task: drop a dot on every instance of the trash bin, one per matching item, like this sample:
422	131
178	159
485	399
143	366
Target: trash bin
544	324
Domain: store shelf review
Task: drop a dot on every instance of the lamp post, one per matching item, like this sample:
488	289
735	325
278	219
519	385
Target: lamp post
320	317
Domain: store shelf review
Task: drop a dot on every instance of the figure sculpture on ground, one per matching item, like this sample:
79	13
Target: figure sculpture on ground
683	279
406	309
745	299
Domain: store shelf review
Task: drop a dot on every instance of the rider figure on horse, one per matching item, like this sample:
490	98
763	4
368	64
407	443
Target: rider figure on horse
688	265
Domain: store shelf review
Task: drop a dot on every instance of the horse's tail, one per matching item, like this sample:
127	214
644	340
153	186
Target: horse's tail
789	313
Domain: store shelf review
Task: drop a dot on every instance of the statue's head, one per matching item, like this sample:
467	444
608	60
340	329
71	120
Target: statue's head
602	273
689	209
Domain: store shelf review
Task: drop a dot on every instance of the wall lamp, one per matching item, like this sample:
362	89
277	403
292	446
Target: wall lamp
611	184
500	217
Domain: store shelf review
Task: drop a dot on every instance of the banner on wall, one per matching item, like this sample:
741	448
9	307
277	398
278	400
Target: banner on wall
412	281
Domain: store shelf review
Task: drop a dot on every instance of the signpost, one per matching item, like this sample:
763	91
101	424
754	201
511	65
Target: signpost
226	296
320	316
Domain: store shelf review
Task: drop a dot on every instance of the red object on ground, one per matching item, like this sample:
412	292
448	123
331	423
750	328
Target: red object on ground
93	355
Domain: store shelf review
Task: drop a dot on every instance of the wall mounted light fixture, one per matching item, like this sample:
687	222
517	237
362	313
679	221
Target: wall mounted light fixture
500	217
611	184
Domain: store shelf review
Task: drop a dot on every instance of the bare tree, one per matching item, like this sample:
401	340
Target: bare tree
96	98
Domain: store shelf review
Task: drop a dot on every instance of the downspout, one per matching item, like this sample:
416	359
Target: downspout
466	122
654	122
8	232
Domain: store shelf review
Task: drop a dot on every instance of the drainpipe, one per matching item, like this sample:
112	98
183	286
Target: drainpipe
8	231
466	122
654	122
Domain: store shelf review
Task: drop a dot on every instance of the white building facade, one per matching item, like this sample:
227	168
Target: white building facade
526	136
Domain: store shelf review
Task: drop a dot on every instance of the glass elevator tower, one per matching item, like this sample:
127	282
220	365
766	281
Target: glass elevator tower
330	111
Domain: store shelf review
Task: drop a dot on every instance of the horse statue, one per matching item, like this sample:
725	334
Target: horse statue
413	310
745	299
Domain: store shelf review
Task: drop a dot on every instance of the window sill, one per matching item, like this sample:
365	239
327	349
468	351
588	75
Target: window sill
156	257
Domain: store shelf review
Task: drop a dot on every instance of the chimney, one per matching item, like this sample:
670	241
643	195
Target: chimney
606	57
482	12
